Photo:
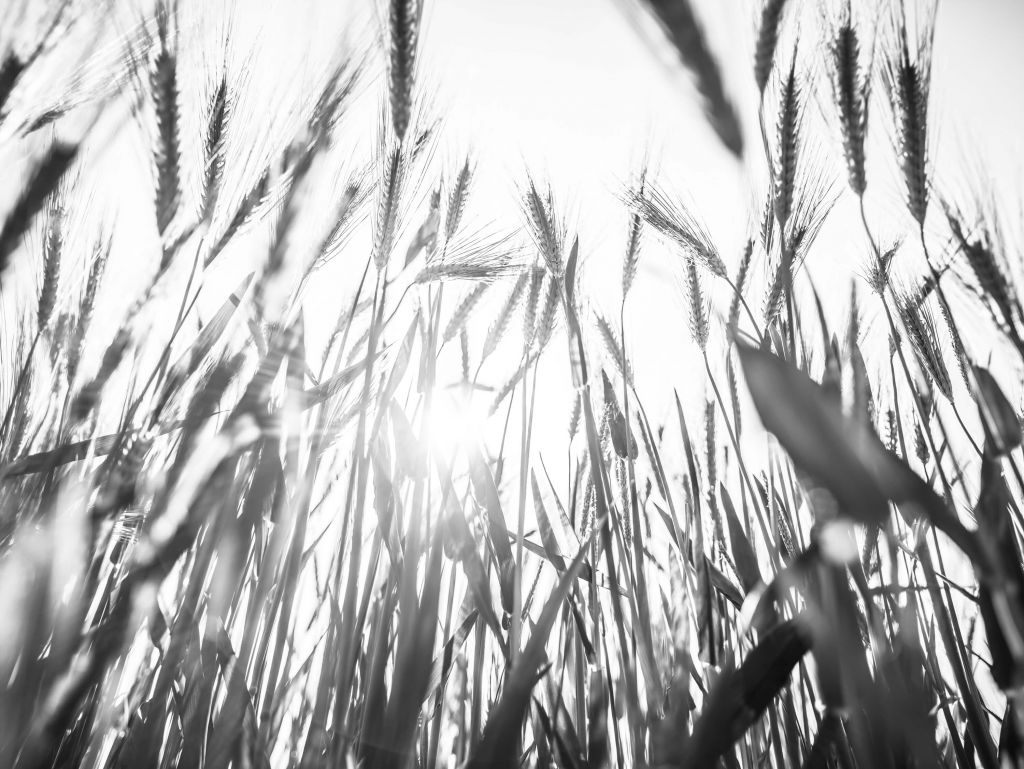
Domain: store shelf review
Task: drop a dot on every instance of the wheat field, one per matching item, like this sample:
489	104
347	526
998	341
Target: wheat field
312	457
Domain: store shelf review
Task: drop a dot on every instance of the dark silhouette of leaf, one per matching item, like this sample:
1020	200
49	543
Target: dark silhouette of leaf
743	555
1002	424
741	695
843	454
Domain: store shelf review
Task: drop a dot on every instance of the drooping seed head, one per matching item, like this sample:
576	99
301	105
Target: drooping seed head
676	223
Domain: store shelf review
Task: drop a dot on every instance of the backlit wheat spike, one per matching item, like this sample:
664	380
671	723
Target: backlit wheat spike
963	360
337	90
586	517
403	28
510	384
814	202
486	262
533	297
926	289
851	90
425	240
548	318
19	434
767	39
775	298
53	243
501	322
344	218
243	213
891	431
457	199
393	169
923	336
908	81
767	228
878	274
574	415
623	489
734	395
543	226
86	309
633	239
710	448
920	444
698	317
678	224
613	348
739	285
787	139
163	83
213	148
464	353
462	312
984	265
680	23
853	324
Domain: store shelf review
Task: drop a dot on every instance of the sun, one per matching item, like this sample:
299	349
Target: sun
456	418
